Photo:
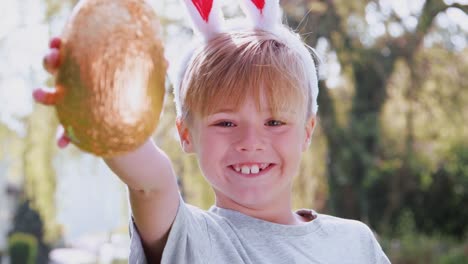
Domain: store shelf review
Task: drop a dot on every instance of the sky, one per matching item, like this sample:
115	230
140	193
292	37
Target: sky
23	40
24	37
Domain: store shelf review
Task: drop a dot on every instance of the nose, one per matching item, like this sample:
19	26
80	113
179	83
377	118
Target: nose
250	139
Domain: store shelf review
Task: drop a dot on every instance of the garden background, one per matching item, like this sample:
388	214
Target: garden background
391	147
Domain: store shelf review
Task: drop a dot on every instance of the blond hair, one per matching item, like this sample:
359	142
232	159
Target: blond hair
237	64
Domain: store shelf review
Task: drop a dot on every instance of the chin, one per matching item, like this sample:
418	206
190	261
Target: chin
252	199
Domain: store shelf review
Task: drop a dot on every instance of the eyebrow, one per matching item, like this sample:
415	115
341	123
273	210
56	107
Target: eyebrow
224	110
269	110
230	110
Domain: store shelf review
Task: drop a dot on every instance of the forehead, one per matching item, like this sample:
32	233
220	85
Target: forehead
261	103
225	77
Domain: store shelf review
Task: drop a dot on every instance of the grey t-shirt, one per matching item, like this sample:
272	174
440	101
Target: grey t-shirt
224	236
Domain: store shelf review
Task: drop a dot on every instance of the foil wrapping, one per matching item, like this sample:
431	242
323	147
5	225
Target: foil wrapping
112	75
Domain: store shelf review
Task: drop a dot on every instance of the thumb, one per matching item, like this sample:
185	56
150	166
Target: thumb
47	96
62	139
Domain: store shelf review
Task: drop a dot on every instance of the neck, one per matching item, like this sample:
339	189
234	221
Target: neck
279	212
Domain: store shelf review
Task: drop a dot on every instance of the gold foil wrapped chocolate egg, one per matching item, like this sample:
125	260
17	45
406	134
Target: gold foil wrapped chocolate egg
111	76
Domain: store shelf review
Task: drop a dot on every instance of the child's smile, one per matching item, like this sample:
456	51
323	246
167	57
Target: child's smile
249	155
251	169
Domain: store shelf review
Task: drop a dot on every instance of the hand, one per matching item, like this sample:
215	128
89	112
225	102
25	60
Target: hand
51	63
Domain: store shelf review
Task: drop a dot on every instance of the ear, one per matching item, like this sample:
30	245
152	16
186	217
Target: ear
309	130
206	16
264	14
184	136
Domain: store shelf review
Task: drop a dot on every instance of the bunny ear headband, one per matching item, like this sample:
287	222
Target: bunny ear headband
208	20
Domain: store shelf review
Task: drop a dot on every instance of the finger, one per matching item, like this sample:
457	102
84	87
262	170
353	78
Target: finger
46	96
62	139
51	61
55	43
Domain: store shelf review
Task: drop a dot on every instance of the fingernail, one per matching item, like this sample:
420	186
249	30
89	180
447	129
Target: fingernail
63	141
38	94
55	43
53	58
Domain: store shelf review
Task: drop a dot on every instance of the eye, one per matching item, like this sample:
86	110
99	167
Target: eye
225	124
275	123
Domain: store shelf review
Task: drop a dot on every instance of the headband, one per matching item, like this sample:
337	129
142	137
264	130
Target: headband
207	17
208	21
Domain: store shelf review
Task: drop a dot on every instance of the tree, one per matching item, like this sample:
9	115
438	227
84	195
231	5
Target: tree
39	173
354	147
28	221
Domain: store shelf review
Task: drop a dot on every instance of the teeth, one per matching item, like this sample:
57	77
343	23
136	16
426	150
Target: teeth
254	169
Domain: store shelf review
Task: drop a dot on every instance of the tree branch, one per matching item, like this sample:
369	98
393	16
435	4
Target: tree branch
463	8
314	24
327	114
407	45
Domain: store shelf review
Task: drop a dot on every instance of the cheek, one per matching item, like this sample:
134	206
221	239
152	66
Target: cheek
290	140
210	150
290	145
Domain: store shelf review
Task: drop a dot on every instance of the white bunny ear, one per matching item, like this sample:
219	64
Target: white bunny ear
264	14
206	16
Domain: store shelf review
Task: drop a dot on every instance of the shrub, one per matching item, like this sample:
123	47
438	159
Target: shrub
22	248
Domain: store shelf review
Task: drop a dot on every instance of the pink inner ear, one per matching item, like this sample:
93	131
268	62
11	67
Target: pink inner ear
204	8
260	4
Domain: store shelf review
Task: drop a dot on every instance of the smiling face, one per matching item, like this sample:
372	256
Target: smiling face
248	154
246	108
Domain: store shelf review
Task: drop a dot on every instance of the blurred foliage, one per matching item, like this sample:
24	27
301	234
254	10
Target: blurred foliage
39	174
390	149
22	248
439	201
56	6
398	111
28	221
409	246
424	145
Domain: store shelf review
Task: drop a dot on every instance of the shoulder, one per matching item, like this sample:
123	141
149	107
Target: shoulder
347	229
342	225
353	234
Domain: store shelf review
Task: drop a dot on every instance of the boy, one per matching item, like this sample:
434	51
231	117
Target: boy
246	104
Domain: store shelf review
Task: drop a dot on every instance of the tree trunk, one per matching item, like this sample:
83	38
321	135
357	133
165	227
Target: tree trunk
353	148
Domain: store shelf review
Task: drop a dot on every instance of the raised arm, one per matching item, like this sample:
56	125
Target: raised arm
153	191
147	171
